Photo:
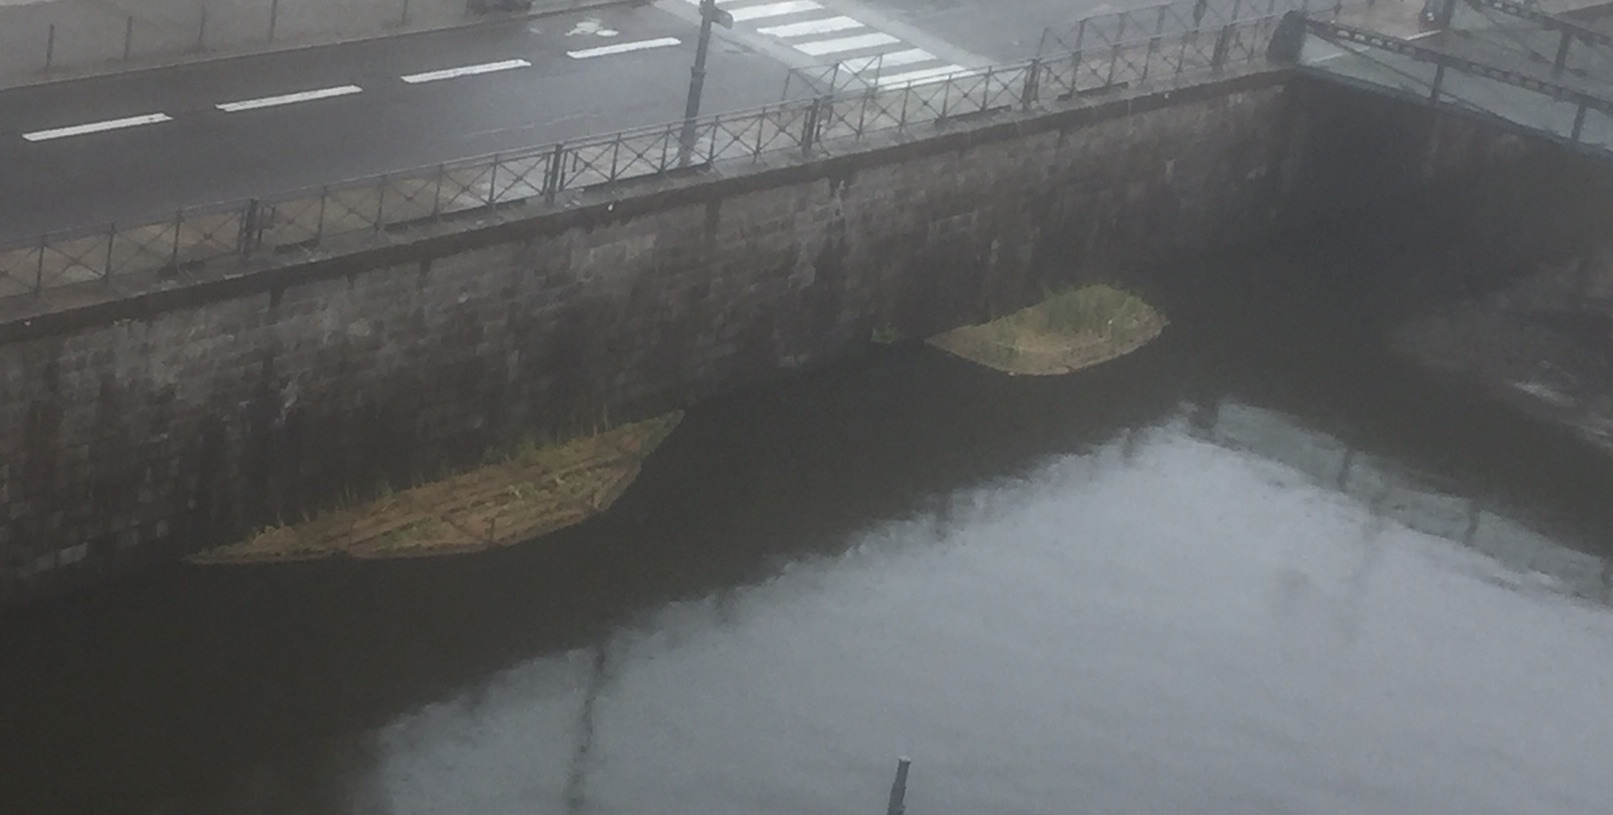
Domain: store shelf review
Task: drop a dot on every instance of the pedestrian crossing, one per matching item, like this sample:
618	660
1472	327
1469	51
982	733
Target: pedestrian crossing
850	46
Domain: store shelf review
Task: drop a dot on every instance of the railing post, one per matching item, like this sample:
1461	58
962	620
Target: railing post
274	17
249	229
492	183
1579	123
201	30
39	266
551	184
111	241
50	46
319	229
1223	42
436	197
711	151
1439	78
1561	61
380	206
809	128
128	37
1033	81
179	220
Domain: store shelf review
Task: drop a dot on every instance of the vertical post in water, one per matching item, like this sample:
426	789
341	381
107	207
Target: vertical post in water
898	802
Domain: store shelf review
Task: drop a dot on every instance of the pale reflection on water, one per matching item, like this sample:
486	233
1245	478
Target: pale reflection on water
1196	618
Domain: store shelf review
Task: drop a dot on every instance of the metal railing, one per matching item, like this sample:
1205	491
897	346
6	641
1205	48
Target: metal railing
1510	97
181	242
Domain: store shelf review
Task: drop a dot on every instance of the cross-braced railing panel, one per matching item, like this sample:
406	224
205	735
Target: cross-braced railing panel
520	176
294	221
146	248
205	236
19	270
406	198
81	258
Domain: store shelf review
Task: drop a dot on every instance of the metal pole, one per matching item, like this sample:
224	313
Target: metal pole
898	802
128	37
50	46
274	17
201	31
697	82
405	19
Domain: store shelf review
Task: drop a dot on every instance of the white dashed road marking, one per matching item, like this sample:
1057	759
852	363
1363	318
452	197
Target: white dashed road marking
810	27
623	47
97	127
468	70
288	99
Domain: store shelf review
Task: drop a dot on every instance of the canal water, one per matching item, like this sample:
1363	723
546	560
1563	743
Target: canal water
1257	567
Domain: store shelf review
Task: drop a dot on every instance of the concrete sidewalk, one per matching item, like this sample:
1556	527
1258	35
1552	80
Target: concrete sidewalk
49	40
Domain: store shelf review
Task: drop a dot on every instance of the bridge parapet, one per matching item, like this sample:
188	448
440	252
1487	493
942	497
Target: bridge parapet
1502	74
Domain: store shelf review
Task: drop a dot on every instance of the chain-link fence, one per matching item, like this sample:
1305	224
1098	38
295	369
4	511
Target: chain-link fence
181	242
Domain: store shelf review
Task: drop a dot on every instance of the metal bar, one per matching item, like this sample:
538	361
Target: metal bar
319	230
492	182
111	239
179	220
898	799
1032	89
1439	79
552	181
274	17
380	207
1561	61
39	266
201	31
436	197
1579	124
128	37
50	46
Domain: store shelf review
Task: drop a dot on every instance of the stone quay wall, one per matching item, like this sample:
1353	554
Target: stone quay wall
136	428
